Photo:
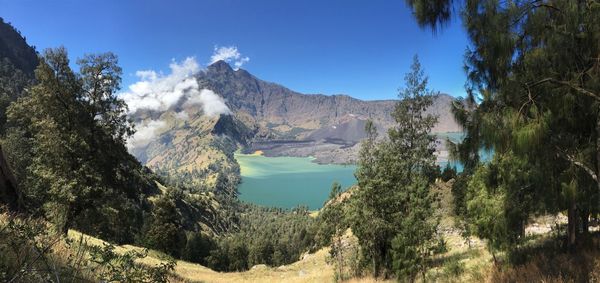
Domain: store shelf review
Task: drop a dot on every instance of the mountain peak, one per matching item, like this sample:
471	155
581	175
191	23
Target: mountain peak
220	67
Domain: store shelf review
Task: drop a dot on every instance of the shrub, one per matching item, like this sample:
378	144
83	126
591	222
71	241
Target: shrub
116	267
454	267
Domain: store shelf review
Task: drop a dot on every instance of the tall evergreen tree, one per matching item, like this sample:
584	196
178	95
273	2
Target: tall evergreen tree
393	205
533	69
66	137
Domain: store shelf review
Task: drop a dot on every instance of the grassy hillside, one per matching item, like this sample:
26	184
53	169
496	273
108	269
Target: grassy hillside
311	268
462	261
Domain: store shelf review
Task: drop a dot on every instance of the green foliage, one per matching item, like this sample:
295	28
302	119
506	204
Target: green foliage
115	267
393	216
485	210
453	267
66	142
30	252
164	231
336	190
198	248
448	173
271	236
496	208
459	191
534	91
332	223
412	245
332	219
434	13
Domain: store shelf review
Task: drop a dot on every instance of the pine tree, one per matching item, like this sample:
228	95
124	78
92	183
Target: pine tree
533	68
393	205
66	137
333	216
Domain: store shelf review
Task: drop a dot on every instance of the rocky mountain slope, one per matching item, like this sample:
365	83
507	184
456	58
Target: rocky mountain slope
285	114
14	48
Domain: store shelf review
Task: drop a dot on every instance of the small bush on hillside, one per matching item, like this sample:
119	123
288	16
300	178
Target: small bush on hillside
116	267
30	251
448	173
454	267
547	264
197	248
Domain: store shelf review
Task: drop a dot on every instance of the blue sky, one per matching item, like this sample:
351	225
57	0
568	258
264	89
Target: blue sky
359	48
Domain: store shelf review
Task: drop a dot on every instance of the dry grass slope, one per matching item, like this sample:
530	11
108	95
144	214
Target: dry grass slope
312	268
464	261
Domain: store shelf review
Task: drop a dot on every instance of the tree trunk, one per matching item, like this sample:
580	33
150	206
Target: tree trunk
573	225
71	212
375	269
494	258
585	223
9	193
66	224
598	149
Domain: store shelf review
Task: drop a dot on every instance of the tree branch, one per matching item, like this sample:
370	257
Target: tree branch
579	164
568	84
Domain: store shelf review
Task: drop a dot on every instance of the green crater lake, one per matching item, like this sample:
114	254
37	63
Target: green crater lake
289	181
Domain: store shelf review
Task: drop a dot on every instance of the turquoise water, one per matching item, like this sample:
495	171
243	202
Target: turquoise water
484	155
453	136
289	181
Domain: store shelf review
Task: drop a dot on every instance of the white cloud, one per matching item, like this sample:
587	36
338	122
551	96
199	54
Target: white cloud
229	54
182	115
238	64
145	133
160	92
212	104
156	91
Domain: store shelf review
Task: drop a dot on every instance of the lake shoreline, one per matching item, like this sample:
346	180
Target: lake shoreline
274	179
287	182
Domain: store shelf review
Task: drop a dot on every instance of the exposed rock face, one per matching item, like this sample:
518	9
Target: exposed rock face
289	114
279	113
284	113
